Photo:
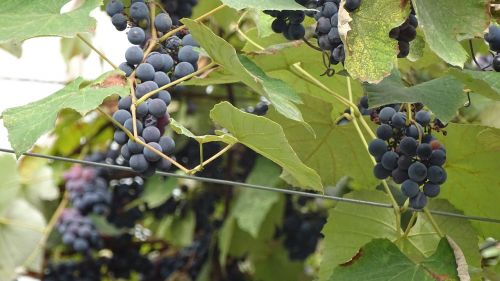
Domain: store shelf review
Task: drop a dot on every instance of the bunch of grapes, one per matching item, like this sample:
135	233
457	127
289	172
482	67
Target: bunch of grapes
289	22
179	9
327	31
493	39
85	270
410	154
87	190
301	230
405	33
78	231
171	60
124	192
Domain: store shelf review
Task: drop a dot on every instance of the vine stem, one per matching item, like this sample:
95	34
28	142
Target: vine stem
433	222
173	83
209	160
48	229
101	54
136	139
207	14
410	224
394	204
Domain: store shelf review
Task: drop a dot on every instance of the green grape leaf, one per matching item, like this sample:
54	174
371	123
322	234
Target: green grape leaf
423	239
472	166
264	5
11	182
251	207
370	52
382	260
266	138
337	151
417	47
21	228
240	69
178	229
180	129
486	83
157	190
444	96
13	47
21	19
38	181
447	22
73	47
350	226
27	123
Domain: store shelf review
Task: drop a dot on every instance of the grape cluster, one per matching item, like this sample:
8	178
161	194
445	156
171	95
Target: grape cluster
301	230
78	231
493	39
87	190
327	31
124	192
405	33
126	259
179	9
171	60
410	154
289	22
85	270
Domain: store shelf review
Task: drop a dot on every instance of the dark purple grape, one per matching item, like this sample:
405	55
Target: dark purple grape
431	190
151	155
167	145
424	151
438	157
134	55
408	146
436	175
410	188
136	36
377	148
386	114
390	160
418	202
163	22
157	107
151	134
145	72
121	116
138	163
380	172
417	172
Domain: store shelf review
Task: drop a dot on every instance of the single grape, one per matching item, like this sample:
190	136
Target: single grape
390	160
163	165
338	54
404	49
142	110
496	63
423	117
161	78
188	54
114	7
188	40
68	238
169	63
80	245
428	138
167	145
417	172
125	152
408	146
334	20
157	107
351	5
329	9
134	147
324	25
436	175
404	162
413	131
380	172
145	88
151	134
134	55
151	155
120	137
279	25
119	21
386	114
165	97
136	35
410	188
431	190
424	151
399	175
121	116
183	69
129	125
418	202
407	34
413	20
398	120
163	22
157	60
145	72
438	157
384	132
295	31
127	68
138	163
139	11
377	148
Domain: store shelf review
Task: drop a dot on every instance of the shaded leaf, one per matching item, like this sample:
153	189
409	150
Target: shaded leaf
180	129
486	83
266	138
264	4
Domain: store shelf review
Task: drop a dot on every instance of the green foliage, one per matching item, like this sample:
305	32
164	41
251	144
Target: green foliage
382	259
442	95
268	139
14	24
10	184
78	95
486	83
370	52
263	4
465	19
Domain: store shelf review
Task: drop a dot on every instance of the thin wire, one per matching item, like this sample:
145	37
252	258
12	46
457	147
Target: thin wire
252	186
21	79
